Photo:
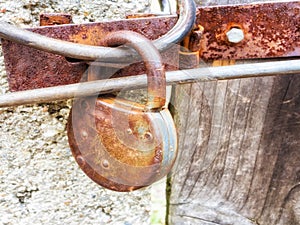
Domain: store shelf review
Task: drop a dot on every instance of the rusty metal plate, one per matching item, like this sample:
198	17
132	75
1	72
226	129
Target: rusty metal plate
270	30
28	68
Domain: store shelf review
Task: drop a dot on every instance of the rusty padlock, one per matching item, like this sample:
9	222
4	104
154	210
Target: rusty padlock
120	144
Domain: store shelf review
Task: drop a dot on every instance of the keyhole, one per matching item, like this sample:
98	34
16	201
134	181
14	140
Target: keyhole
148	136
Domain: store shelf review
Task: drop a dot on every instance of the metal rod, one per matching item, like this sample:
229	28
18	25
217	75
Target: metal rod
180	76
104	54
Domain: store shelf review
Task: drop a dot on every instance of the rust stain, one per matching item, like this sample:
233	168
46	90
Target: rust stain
140	15
28	68
48	19
195	38
117	144
271	30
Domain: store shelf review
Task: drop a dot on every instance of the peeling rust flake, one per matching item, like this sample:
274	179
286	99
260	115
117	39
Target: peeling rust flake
48	19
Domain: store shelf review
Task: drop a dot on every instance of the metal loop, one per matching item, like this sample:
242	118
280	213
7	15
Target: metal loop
155	69
104	54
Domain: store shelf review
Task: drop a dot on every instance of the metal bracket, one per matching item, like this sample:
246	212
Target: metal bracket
29	68
263	30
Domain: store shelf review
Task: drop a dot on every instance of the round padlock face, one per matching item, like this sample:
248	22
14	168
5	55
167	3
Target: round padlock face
120	146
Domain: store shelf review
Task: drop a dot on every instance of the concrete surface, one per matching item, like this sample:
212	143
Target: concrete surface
40	183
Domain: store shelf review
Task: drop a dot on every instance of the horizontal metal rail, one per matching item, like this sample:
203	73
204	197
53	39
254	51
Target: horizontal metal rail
105	54
133	82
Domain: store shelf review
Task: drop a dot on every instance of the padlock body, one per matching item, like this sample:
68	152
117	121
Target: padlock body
119	145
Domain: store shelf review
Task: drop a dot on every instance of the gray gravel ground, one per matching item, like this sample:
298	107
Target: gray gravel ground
40	183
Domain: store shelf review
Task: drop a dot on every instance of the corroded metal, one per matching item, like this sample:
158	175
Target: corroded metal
140	15
29	68
270	30
50	19
153	63
118	145
195	38
190	47
104	54
123	145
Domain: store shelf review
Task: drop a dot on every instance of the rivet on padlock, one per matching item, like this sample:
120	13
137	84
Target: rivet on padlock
120	144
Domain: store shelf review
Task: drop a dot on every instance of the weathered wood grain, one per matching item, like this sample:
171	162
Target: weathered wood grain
239	144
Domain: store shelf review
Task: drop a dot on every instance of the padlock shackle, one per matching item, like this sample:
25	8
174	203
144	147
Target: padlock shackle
154	67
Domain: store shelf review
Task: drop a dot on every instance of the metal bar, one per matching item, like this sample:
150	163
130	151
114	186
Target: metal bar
85	52
25	66
173	77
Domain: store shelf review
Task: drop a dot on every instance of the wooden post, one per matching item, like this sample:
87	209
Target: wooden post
239	144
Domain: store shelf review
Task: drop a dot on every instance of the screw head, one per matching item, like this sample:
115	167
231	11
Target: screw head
235	35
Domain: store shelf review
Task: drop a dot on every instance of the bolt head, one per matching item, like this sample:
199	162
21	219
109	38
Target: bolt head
235	35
